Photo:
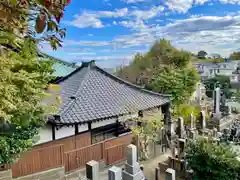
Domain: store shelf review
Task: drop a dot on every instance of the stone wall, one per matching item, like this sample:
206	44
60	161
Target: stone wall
6	175
53	174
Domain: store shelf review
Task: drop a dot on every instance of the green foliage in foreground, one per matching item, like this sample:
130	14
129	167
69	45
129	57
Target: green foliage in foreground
23	81
212	161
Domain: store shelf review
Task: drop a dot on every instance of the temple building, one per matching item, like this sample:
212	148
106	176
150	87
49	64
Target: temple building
95	101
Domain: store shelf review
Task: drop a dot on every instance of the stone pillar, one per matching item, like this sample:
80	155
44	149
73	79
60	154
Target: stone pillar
171	128
167	113
115	173
170	174
217	96
173	149
181	147
199	93
157	173
202	120
192	134
163	139
92	170
192	122
180	127
132	168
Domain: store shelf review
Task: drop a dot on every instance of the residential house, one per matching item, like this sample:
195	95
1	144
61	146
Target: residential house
235	78
210	69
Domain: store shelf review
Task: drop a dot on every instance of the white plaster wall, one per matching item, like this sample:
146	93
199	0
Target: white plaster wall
226	72
103	123
234	78
64	132
45	134
82	128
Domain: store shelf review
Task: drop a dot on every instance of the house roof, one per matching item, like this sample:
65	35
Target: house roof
61	68
91	94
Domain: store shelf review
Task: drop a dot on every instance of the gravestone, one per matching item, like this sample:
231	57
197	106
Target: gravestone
181	147
170	174
132	169
115	173
192	122
199	94
180	127
92	170
157	173
216	98
202	121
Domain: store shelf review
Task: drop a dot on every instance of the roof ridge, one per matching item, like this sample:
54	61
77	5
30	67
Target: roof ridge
130	84
57	59
93	65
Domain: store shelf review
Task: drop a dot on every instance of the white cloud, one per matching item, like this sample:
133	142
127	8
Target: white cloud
138	24
183	6
85	20
230	1
106	14
215	34
90	35
147	14
92	18
211	33
132	1
86	43
206	32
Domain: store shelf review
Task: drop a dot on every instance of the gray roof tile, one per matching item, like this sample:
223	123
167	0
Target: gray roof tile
100	95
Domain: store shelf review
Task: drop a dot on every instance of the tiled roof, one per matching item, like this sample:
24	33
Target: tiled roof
90	93
61	68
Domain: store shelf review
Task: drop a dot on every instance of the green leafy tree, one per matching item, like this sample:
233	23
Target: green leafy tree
162	54
180	83
147	132
202	54
185	110
235	56
24	79
212	161
38	19
218	81
23	82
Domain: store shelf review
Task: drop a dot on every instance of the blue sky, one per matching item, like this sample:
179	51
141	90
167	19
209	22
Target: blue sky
113	31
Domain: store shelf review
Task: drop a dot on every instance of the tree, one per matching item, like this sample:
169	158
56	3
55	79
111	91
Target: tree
185	110
202	54
147	132
212	161
38	19
218	80
24	79
23	82
144	66
180	83
235	56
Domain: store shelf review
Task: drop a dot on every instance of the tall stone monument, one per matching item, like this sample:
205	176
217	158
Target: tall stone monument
216	101
132	168
199	94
